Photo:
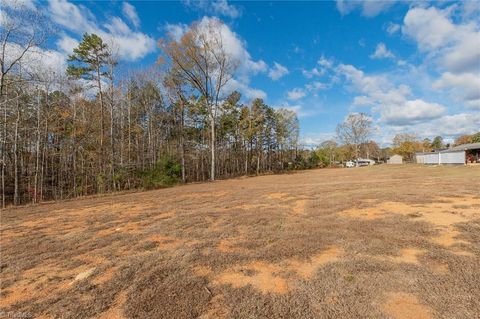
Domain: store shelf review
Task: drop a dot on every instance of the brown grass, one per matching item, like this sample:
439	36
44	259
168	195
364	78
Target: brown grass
375	242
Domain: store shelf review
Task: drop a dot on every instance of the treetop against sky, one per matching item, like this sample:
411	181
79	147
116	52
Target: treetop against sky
413	67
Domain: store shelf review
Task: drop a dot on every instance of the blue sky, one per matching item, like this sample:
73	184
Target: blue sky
414	67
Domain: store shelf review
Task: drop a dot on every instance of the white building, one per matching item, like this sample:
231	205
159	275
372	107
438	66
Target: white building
395	159
461	154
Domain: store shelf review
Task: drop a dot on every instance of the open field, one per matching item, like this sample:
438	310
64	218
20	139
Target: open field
374	242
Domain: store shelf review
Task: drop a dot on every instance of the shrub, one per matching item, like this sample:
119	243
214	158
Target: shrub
166	172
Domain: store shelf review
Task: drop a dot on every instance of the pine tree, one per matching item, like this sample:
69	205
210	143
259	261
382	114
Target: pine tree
89	62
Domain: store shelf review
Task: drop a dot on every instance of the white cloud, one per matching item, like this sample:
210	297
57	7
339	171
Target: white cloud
470	9
215	7
381	52
277	71
392	102
72	17
371	85
430	28
469	83
19	4
450	46
176	31
130	13
464	56
411	112
473	104
37	60
222	7
313	72
297	108
66	44
393	28
131	45
296	94
244	89
447	126
4	18
323	65
325	62
117	26
456	124
315	139
315	86
368	8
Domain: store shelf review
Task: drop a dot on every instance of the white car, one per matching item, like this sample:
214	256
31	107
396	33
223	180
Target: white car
349	164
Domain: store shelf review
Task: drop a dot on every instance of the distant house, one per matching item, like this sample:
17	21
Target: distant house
395	159
461	154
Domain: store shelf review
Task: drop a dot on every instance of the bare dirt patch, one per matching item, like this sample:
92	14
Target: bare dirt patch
406	306
273	278
262	276
306	269
299	207
408	255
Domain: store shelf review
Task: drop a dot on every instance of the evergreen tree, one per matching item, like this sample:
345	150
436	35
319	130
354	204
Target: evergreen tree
89	62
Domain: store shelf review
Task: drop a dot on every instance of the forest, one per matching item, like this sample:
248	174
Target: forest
97	128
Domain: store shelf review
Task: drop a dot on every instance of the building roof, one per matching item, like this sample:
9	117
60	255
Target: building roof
463	147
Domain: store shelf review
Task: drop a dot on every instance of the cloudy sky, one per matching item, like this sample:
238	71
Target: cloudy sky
414	67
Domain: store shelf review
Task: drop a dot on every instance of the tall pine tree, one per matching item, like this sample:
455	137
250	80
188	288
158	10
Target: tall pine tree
89	62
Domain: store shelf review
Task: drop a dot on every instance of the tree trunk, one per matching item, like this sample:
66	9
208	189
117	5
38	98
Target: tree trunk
15	154
182	146
112	141
212	163
74	144
102	121
4	144
37	151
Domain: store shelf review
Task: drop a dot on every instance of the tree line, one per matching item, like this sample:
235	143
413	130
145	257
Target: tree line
93	129
355	137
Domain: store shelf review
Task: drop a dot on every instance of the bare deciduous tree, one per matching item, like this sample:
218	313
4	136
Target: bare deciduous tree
355	130
22	31
201	59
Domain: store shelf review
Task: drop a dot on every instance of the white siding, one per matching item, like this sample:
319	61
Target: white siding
453	157
431	158
420	158
395	159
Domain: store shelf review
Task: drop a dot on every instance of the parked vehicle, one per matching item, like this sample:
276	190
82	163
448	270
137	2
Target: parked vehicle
349	164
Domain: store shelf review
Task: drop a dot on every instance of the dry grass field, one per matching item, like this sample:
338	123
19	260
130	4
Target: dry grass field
374	242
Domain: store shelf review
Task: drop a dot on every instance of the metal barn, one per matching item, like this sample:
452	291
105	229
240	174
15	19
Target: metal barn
431	158
462	154
451	157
